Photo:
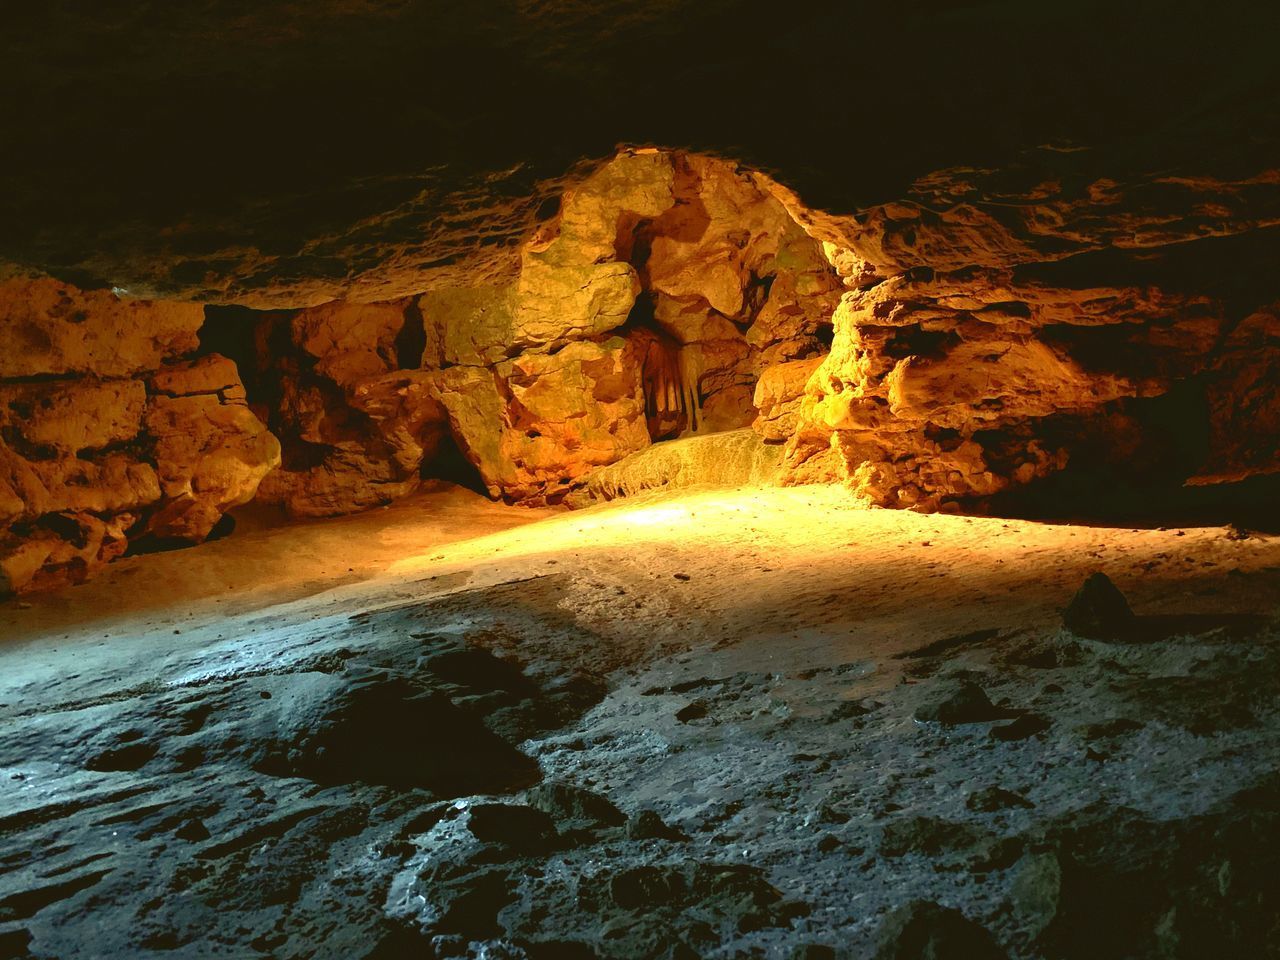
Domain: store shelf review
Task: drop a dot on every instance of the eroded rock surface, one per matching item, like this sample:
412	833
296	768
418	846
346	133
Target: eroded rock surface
106	432
956	349
647	308
481	772
1000	322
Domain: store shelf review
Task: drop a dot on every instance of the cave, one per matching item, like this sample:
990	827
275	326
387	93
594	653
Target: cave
621	481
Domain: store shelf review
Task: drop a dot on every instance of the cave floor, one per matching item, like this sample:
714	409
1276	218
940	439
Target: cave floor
679	725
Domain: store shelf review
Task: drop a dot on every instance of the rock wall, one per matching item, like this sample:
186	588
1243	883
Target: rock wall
647	308
107	433
994	328
998	322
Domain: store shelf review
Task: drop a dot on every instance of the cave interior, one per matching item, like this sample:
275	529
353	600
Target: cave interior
540	481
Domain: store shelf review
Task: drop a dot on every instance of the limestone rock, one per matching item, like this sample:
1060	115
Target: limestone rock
956	375
471	325
52	328
405	409
731	458
476	408
351	341
1244	404
557	301
346	480
110	483
211	451
68	416
778	394
64	550
361	450
568	412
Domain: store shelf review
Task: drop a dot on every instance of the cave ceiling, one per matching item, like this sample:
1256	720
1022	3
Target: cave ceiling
284	154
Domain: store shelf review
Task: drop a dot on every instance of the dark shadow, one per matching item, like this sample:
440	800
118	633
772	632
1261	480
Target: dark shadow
149	543
1152	628
1130	469
451	465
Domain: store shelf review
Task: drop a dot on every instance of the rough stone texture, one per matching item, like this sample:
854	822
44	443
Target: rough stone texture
778	394
285	155
1244	404
65	417
51	328
991	327
730	458
102	439
997	320
211	451
355	427
646	308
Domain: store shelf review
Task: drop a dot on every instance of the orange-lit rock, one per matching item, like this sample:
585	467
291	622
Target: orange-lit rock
778	394
211	452
67	416
712	278
985	314
350	341
101	433
539	421
1244	402
49	328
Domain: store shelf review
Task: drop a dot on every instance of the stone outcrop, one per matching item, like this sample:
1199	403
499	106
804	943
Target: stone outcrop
997	322
646	308
355	426
211	452
49	328
106	433
991	329
730	458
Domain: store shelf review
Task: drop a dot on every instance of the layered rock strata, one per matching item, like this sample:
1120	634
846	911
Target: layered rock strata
998	322
992	329
107	433
647	308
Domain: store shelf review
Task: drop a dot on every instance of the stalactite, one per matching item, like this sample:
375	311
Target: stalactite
670	373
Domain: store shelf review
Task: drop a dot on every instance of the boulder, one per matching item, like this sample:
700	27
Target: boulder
1099	610
921	930
778	395
211	451
64	417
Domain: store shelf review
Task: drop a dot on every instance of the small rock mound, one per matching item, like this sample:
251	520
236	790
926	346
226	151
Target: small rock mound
1099	610
966	703
926	931
574	808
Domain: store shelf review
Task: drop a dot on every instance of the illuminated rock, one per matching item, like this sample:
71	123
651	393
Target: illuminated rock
997	338
68	416
211	452
777	397
558	416
49	328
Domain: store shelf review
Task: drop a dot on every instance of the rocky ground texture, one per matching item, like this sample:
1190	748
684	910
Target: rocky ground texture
730	723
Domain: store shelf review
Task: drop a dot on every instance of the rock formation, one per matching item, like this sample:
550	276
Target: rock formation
106	433
648	307
998	321
991	329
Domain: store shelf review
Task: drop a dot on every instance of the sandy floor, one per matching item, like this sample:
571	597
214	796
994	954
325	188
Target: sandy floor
756	559
747	663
